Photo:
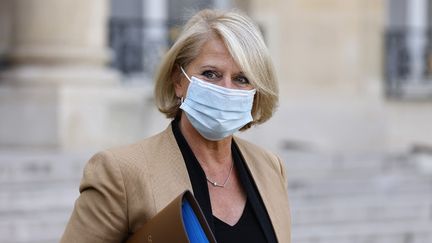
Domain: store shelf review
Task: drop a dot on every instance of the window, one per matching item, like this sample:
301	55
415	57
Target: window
140	31
408	50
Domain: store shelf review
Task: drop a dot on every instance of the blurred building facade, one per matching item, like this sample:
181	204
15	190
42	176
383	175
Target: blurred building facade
331	58
361	68
353	123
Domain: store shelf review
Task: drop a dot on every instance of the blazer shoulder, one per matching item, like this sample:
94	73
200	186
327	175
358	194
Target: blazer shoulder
145	147
259	154
249	147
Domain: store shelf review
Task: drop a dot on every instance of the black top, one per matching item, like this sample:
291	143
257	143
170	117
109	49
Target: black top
254	225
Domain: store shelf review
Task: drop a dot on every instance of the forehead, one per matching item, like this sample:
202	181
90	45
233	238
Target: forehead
215	53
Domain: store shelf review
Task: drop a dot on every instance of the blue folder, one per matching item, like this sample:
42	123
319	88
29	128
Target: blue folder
194	230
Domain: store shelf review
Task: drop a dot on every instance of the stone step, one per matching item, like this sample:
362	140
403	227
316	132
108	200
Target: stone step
38	196
30	166
36	212
311	165
385	184
361	210
364	232
38	226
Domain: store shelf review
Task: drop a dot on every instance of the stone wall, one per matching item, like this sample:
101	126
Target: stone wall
329	59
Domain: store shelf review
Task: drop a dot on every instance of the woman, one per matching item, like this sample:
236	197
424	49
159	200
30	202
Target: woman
215	80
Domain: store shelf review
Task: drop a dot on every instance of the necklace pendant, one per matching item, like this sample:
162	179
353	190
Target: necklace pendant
215	184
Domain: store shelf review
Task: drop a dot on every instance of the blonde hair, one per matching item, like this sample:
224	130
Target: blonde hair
245	44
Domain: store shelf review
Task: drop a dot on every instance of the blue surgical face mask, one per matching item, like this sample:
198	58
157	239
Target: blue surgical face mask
214	111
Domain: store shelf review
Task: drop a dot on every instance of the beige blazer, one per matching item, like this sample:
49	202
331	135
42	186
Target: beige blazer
124	187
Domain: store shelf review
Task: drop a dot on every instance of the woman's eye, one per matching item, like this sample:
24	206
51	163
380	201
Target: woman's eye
210	74
242	80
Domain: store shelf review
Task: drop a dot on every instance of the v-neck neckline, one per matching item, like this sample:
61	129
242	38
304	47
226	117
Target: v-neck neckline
201	191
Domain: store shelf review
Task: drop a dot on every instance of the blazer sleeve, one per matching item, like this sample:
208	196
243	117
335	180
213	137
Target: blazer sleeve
100	212
283	172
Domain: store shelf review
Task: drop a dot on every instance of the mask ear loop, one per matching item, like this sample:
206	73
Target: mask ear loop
181	99
185	74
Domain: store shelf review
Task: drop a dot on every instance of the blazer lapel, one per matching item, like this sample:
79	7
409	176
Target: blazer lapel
271	193
170	173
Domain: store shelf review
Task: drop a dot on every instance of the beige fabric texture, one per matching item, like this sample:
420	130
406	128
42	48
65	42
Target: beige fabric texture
124	187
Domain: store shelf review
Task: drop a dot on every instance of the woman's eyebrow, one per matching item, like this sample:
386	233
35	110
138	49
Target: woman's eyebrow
214	67
209	66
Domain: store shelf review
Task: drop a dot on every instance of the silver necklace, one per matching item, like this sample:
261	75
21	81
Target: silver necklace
215	184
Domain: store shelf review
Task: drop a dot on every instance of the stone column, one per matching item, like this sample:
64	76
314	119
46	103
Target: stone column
154	33
58	48
58	41
417	23
5	27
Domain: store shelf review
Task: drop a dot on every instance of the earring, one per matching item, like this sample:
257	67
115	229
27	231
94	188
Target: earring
180	100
